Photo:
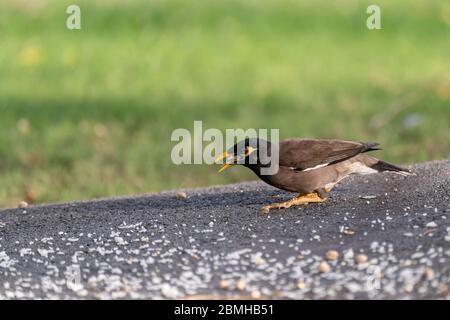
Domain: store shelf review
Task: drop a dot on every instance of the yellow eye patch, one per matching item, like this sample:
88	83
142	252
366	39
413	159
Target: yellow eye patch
249	150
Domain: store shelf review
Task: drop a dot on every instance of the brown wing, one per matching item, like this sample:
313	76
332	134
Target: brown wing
303	154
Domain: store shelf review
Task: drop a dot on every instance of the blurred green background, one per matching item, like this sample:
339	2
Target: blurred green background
89	113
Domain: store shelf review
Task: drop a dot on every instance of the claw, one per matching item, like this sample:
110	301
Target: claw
264	210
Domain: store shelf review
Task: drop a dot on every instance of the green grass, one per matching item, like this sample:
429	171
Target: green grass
89	113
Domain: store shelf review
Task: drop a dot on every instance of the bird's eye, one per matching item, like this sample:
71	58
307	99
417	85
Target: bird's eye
249	150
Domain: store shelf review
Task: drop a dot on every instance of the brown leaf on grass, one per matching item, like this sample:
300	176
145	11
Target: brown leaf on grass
442	90
30	195
32	159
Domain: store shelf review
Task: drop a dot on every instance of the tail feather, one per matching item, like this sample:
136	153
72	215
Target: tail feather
381	166
370	146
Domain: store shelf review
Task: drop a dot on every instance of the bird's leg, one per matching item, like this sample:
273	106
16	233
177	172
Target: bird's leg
300	199
323	193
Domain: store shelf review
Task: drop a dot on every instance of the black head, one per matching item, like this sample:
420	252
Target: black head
251	153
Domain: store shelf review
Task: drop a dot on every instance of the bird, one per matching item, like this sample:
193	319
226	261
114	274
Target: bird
309	167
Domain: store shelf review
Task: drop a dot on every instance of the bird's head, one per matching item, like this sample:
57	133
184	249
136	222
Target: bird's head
246	152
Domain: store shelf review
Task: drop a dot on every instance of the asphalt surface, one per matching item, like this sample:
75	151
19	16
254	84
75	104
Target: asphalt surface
391	234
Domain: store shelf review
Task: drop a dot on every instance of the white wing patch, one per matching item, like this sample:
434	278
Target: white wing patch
316	167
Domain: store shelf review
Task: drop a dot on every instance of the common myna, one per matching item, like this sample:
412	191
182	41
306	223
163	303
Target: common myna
311	167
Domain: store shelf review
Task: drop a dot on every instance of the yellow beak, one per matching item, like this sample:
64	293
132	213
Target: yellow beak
226	165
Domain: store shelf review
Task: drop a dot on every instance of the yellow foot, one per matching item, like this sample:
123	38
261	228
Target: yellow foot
300	199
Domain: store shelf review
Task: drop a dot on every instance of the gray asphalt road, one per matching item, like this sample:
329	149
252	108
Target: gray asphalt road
216	243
